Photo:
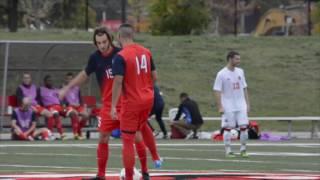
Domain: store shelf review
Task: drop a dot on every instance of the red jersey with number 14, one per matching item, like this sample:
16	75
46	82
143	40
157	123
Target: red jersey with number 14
134	63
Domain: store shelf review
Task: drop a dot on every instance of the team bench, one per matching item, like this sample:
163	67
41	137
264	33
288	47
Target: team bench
89	101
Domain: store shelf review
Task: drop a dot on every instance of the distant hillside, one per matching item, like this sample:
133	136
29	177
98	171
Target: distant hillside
283	74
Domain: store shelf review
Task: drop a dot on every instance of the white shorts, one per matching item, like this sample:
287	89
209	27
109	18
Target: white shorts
233	119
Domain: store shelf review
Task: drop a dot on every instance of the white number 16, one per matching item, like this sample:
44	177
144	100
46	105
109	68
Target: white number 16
142	65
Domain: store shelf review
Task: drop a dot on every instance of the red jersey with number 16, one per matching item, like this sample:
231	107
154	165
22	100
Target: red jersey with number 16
134	63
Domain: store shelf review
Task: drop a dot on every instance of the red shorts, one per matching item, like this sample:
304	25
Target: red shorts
132	121
78	109
38	109
55	109
106	123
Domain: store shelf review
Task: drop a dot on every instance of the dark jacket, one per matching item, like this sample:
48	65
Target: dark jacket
190	108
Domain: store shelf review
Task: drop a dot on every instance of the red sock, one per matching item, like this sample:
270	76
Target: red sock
59	124
50	123
82	124
128	157
150	142
142	153
74	123
102	158
22	136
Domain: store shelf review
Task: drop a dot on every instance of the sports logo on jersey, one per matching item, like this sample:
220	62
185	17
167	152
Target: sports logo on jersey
239	77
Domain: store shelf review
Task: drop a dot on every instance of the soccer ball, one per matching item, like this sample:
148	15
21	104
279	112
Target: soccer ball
234	134
136	174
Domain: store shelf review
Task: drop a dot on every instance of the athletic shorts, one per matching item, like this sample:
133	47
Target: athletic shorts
78	109
55	109
233	119
105	122
132	121
38	109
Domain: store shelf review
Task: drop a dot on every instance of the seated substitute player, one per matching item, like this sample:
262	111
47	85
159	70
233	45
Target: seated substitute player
230	88
100	63
48	97
134	76
28	89
24	123
192	120
74	109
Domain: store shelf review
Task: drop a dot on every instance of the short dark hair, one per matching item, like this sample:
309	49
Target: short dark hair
101	31
126	30
26	73
184	95
231	54
46	77
69	74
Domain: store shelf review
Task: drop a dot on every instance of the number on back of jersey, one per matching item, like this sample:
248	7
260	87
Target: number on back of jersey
142	64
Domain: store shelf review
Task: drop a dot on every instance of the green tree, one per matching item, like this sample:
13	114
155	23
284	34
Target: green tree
71	14
178	17
316	19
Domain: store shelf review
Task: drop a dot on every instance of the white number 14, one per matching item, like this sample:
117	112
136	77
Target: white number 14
142	65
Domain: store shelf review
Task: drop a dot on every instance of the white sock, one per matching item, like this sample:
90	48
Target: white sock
227	141
243	139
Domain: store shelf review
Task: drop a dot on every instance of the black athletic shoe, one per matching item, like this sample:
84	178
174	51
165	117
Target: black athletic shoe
145	176
94	178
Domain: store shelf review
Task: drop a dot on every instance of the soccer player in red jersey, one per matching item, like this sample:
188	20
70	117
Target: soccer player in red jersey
134	77
100	63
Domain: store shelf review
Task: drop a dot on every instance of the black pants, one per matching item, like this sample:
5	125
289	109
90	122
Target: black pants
158	113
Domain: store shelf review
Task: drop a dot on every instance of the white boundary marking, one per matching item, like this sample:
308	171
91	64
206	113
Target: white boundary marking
163	145
246	174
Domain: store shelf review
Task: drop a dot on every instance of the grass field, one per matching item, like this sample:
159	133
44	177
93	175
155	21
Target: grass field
283	73
75	156
69	156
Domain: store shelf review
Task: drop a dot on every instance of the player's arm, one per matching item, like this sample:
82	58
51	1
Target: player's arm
179	113
245	89
153	71
246	95
118	69
14	125
38	98
217	88
78	80
116	92
19	95
217	95
33	125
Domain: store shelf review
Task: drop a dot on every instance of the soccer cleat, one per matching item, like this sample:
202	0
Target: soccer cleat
145	176
189	136
244	154
63	136
94	178
230	155
158	163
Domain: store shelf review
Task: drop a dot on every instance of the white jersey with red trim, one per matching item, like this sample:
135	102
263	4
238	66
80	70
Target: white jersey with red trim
231	84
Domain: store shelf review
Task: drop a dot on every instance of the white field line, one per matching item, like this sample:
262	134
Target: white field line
247	174
287	154
300	170
164	145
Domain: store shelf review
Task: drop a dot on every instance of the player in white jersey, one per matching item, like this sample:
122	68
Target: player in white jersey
232	99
